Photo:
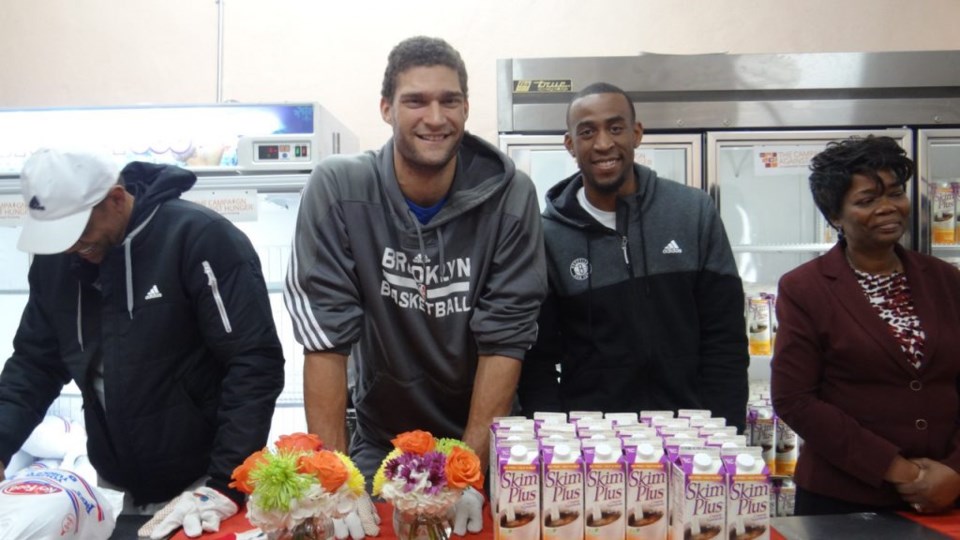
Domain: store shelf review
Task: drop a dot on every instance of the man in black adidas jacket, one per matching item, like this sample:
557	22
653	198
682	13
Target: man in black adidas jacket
157	308
645	309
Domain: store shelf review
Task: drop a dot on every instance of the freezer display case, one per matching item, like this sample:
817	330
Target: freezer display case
938	164
251	160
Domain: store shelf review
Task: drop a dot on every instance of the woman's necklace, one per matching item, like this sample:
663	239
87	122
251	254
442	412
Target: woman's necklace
895	268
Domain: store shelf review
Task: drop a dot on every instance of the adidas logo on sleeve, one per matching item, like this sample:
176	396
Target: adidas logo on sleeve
672	248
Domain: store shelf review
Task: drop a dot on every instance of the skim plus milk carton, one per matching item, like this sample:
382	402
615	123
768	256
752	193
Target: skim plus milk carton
748	494
517	509
562	492
605	490
646	490
699	495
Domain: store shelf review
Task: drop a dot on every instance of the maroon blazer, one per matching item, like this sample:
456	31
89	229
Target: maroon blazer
841	381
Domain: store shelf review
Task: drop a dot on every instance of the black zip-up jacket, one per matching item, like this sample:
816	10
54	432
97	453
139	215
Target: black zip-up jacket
649	316
180	318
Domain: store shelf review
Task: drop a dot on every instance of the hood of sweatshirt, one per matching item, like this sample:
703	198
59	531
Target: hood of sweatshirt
482	172
151	185
562	204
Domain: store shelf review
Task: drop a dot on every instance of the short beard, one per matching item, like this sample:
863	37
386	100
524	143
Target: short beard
606	189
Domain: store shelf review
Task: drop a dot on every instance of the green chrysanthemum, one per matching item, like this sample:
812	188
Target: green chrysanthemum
445	445
380	478
278	482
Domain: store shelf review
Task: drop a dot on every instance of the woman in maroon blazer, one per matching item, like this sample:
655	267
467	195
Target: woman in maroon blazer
867	356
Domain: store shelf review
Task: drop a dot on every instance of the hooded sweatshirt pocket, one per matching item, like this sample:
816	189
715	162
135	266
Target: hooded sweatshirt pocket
212	283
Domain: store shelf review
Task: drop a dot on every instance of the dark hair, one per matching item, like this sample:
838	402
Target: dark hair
833	169
602	88
421	51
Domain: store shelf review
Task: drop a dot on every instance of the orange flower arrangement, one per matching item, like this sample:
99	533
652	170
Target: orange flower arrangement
296	482
424	477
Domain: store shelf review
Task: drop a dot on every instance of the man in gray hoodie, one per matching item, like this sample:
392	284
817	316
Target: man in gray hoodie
424	261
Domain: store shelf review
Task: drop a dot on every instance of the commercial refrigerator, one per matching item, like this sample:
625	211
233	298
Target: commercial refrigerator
750	123
251	160
938	162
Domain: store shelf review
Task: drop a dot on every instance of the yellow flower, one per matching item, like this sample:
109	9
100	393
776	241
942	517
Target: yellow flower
355	481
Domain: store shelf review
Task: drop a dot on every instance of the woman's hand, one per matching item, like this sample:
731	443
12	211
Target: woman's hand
902	471
934	490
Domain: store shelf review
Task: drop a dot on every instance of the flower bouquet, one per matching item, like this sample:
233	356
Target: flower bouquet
423	478
298	488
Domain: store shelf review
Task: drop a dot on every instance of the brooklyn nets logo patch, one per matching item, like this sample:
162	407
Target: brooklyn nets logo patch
580	269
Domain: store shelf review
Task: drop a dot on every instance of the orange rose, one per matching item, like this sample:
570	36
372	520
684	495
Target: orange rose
299	442
415	442
326	466
463	469
241	475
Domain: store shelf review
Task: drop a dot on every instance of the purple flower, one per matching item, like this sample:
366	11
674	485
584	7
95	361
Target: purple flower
424	472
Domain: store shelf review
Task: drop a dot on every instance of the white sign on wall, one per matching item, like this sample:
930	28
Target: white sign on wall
235	205
12	210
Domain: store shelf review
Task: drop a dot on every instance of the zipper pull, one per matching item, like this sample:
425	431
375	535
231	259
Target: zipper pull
623	246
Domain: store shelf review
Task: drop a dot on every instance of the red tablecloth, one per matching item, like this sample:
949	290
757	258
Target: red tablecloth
239	523
948	524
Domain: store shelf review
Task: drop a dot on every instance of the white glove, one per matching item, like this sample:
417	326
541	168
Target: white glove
359	522
197	512
468	513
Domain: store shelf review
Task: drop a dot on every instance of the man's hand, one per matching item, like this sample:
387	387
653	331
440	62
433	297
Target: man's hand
358	522
468	514
197	512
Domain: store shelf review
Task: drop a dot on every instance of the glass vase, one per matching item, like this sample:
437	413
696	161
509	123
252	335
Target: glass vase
314	528
411	526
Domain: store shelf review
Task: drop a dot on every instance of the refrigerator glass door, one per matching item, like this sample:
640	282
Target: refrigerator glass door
546	161
938	165
760	182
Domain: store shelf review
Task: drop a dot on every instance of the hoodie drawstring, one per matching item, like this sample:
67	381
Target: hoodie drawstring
643	255
79	315
589	290
424	259
128	260
443	263
423	256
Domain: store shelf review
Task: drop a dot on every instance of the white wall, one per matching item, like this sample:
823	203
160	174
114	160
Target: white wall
110	52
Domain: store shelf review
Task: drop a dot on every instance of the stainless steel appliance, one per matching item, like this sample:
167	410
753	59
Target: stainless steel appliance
749	125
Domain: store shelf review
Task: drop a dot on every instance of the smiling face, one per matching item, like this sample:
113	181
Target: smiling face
602	136
428	112
874	215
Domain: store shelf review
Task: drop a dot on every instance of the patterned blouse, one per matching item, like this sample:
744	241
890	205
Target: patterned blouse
890	297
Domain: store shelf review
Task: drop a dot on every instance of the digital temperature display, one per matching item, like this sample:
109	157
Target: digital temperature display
268	152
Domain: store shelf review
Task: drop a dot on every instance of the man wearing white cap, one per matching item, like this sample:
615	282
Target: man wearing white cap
157	308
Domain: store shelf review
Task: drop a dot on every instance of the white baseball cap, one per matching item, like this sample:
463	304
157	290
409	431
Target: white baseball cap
60	189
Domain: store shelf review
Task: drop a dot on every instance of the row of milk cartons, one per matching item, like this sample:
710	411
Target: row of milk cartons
779	443
624	476
761	317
